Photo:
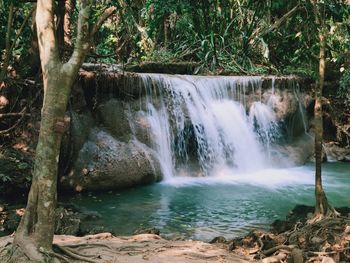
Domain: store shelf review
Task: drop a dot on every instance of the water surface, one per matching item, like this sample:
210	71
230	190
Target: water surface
227	204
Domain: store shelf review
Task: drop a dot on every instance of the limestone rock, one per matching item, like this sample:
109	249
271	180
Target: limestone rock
298	152
336	153
106	163
113	116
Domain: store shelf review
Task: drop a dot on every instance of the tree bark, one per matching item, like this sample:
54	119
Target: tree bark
60	34
322	207
36	229
321	200
37	224
7	43
69	6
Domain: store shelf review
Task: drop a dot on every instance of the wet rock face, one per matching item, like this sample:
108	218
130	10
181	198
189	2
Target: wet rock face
336	153
288	106
105	150
113	116
299	151
105	162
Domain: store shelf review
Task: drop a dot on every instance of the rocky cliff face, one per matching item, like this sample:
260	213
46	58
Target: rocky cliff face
113	142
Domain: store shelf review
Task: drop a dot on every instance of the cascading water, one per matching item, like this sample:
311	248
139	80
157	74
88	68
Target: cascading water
235	131
263	119
208	122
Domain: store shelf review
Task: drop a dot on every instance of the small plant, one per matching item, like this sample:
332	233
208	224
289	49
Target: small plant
5	178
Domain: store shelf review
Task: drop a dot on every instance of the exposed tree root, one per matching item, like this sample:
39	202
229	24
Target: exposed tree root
54	255
26	247
330	213
87	245
75	255
327	238
22	253
297	255
133	249
274	249
275	259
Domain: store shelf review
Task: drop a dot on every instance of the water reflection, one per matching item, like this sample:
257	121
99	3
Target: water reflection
203	209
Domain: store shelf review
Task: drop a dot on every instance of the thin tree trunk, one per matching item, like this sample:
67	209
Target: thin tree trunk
70	4
60	14
33	58
322	207
166	28
321	200
8	44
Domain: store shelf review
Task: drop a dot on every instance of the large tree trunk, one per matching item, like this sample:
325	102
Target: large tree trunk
37	225
36	228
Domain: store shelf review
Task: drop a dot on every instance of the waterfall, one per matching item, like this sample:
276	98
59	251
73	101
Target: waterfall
208	123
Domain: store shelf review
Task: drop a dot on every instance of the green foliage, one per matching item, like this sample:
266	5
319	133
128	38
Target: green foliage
20	41
305	71
222	36
104	51
15	170
4	178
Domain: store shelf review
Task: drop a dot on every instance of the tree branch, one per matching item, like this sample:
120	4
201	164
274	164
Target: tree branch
5	132
82	43
274	26
20	31
106	14
84	38
13	114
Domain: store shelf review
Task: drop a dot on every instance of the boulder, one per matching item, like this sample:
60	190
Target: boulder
105	163
114	118
75	137
336	153
298	152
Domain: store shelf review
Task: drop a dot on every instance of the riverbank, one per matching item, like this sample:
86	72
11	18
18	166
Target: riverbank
133	249
297	240
292	240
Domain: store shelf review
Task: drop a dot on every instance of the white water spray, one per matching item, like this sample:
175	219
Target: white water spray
210	121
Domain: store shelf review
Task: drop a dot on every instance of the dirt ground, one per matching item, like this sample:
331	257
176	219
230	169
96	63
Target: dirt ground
135	249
